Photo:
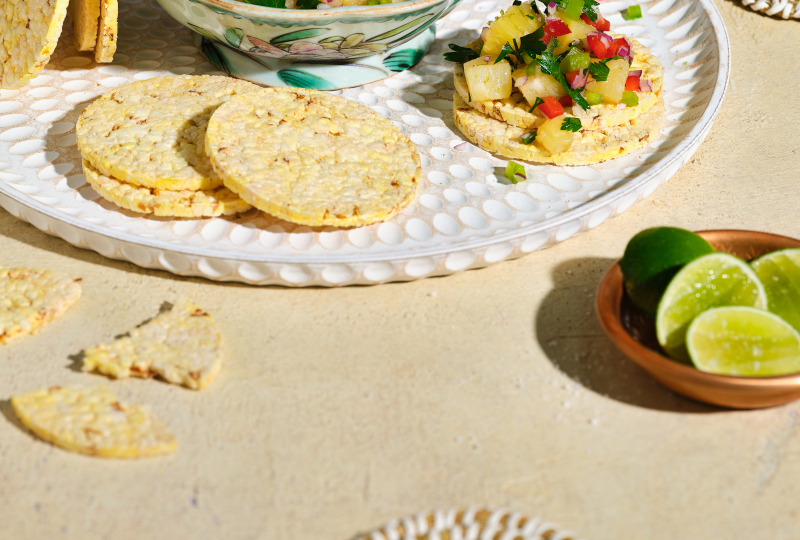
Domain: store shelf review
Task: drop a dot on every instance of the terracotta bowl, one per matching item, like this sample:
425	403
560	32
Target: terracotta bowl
635	335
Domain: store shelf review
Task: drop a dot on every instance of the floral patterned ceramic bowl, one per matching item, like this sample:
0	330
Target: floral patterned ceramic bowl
337	35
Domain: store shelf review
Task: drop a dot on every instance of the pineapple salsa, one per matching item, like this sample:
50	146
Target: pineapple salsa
555	72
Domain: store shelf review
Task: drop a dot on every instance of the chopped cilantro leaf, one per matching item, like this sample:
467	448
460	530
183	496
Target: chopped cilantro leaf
532	43
571	124
460	54
516	3
552	66
269	3
600	70
507	50
536	103
589	8
307	4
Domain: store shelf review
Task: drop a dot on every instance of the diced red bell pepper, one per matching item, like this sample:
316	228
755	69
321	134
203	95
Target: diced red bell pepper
601	23
551	107
601	45
619	42
632	83
565	101
571	76
554	29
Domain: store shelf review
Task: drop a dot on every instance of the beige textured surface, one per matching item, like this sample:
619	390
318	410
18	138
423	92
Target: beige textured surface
313	158
339	410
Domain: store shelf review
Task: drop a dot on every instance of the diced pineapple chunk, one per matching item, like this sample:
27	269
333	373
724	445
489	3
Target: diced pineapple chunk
579	28
614	86
516	22
541	85
554	139
487	80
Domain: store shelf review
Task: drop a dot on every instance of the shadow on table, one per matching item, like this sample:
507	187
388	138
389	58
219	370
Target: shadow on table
570	335
11	416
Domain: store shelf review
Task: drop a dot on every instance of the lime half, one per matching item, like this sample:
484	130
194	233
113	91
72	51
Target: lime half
743	341
713	280
652	258
779	271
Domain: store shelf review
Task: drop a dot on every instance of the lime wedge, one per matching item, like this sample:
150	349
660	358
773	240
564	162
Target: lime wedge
743	341
713	280
779	271
652	258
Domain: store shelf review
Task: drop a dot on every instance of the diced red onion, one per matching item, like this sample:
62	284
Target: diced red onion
580	79
521	81
552	6
625	50
484	33
460	147
525	135
635	73
645	86
520	176
549	20
487	58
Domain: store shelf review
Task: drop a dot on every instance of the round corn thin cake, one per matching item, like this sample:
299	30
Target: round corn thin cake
313	158
182	346
469	524
163	202
588	147
30	298
152	133
515	109
92	421
30	31
107	31
85	18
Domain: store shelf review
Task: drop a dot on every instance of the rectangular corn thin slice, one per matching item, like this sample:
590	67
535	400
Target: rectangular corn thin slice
92	421
85	20
182	346
107	36
29	298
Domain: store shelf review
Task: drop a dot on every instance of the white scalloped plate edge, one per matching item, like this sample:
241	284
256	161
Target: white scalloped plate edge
367	269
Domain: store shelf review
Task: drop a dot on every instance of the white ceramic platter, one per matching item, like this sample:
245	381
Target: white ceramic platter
465	217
